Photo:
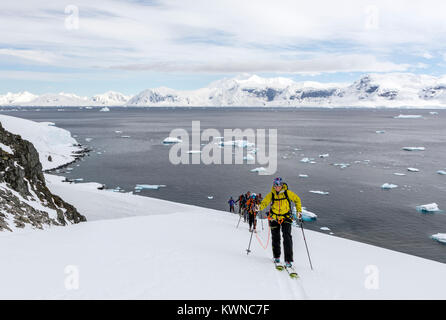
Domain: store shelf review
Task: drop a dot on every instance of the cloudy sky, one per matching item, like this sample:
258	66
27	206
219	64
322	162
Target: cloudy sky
89	47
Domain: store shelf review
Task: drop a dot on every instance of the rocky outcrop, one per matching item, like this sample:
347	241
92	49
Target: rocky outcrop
24	196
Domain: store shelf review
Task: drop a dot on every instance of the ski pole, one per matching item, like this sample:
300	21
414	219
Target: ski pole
239	221
305	240
250	239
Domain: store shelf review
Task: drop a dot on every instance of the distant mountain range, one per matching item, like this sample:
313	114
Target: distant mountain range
371	90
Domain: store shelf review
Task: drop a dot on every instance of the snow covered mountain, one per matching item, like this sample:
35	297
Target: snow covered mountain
110	98
371	90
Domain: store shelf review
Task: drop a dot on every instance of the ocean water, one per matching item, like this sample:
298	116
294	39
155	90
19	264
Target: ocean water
355	208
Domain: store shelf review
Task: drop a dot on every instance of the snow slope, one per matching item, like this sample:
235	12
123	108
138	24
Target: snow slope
175	251
46	138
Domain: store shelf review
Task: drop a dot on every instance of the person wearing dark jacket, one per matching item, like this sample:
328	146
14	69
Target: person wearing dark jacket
231	205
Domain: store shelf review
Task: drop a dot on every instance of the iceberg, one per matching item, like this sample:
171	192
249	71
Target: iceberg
342	165
429	208
320	192
380	131
442	172
388	186
238	143
105	109
307	160
408	116
210	197
149	186
399	174
413	170
307	215
303	176
171	140
440	237
414	148
325	229
325	155
261	169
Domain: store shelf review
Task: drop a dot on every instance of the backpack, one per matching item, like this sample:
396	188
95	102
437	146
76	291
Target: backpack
286	197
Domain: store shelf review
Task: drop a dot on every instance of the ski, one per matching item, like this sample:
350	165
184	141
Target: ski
292	272
279	266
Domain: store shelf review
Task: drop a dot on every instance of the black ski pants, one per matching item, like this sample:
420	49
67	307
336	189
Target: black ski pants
287	239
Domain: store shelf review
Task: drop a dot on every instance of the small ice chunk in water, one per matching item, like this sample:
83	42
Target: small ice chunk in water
388	186
414	148
380	131
88	139
408	116
308	160
249	157
442	172
433	113
149	186
171	140
429	208
399	174
307	215
105	109
325	229
440	237
325	155
320	192
413	170
118	131
342	165
210	197
303	176
261	169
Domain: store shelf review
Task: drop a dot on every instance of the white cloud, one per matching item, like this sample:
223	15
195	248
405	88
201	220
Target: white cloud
223	36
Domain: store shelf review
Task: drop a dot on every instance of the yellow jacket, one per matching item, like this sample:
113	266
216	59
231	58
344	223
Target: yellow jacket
281	206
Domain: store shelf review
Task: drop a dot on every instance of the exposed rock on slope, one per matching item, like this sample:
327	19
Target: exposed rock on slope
24	197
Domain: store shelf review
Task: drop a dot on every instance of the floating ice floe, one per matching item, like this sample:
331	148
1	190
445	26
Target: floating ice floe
440	237
320	192
388	186
380	131
413	170
210	197
172	140
341	165
414	148
429	208
325	229
308	160
325	155
125	137
303	176
261	169
408	116
399	174
118	131
105	109
149	186
307	215
442	172
237	143
88	139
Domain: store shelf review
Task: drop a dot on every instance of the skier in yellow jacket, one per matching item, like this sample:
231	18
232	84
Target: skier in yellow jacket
281	217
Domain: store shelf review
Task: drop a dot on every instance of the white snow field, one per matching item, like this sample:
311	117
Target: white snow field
46	138
135	247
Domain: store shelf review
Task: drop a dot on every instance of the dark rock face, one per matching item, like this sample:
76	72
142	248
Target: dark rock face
21	172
